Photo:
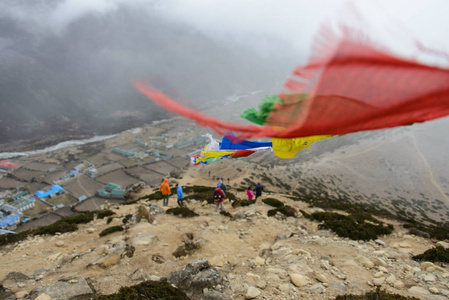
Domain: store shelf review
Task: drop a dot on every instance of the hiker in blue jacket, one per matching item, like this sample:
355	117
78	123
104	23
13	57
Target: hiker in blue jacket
180	195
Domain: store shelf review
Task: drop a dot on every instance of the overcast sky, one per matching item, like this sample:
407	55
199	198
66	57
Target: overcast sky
260	23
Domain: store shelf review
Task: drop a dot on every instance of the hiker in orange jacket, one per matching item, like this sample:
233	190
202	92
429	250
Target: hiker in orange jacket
165	190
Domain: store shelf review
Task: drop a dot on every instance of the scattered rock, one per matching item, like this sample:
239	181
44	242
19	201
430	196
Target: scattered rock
60	243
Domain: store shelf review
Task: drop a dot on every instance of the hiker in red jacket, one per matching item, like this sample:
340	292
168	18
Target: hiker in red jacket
218	198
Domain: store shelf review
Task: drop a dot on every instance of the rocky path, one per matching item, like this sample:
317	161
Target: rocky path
251	256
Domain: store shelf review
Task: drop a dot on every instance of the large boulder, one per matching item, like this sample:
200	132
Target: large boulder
195	276
76	289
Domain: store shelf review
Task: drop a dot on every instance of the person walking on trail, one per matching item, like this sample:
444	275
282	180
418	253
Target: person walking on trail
250	193
219	197
258	190
165	190
180	195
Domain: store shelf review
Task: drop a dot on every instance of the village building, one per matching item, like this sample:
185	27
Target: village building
22	201
55	190
159	154
7	166
111	190
125	153
184	143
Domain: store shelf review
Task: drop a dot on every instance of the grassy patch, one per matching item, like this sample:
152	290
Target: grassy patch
374	295
101	214
358	226
63	225
147	290
111	230
437	254
182	211
273	202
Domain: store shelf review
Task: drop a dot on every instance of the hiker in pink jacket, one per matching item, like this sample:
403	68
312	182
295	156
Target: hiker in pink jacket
250	193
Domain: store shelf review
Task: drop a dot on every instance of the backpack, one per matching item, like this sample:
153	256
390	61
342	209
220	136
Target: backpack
223	187
216	194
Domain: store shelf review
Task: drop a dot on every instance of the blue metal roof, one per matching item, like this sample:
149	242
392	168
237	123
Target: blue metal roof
53	190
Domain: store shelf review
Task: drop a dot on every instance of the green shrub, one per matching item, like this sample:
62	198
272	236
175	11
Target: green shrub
155	196
109	220
182	211
238	203
226	214
353	226
440	233
130	202
68	224
78	219
147	290
273	202
437	254
377	294
286	210
101	214
126	218
111	230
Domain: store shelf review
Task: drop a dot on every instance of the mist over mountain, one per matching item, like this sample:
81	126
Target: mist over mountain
65	77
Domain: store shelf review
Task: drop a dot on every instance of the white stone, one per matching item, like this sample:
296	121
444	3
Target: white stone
59	243
284	287
379	281
54	256
380	242
399	284
383	269
434	290
445	245
259	261
261	284
391	279
321	277
429	278
426	264
366	262
217	261
378	274
299	280
404	245
43	297
379	262
252	292
21	294
90	230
